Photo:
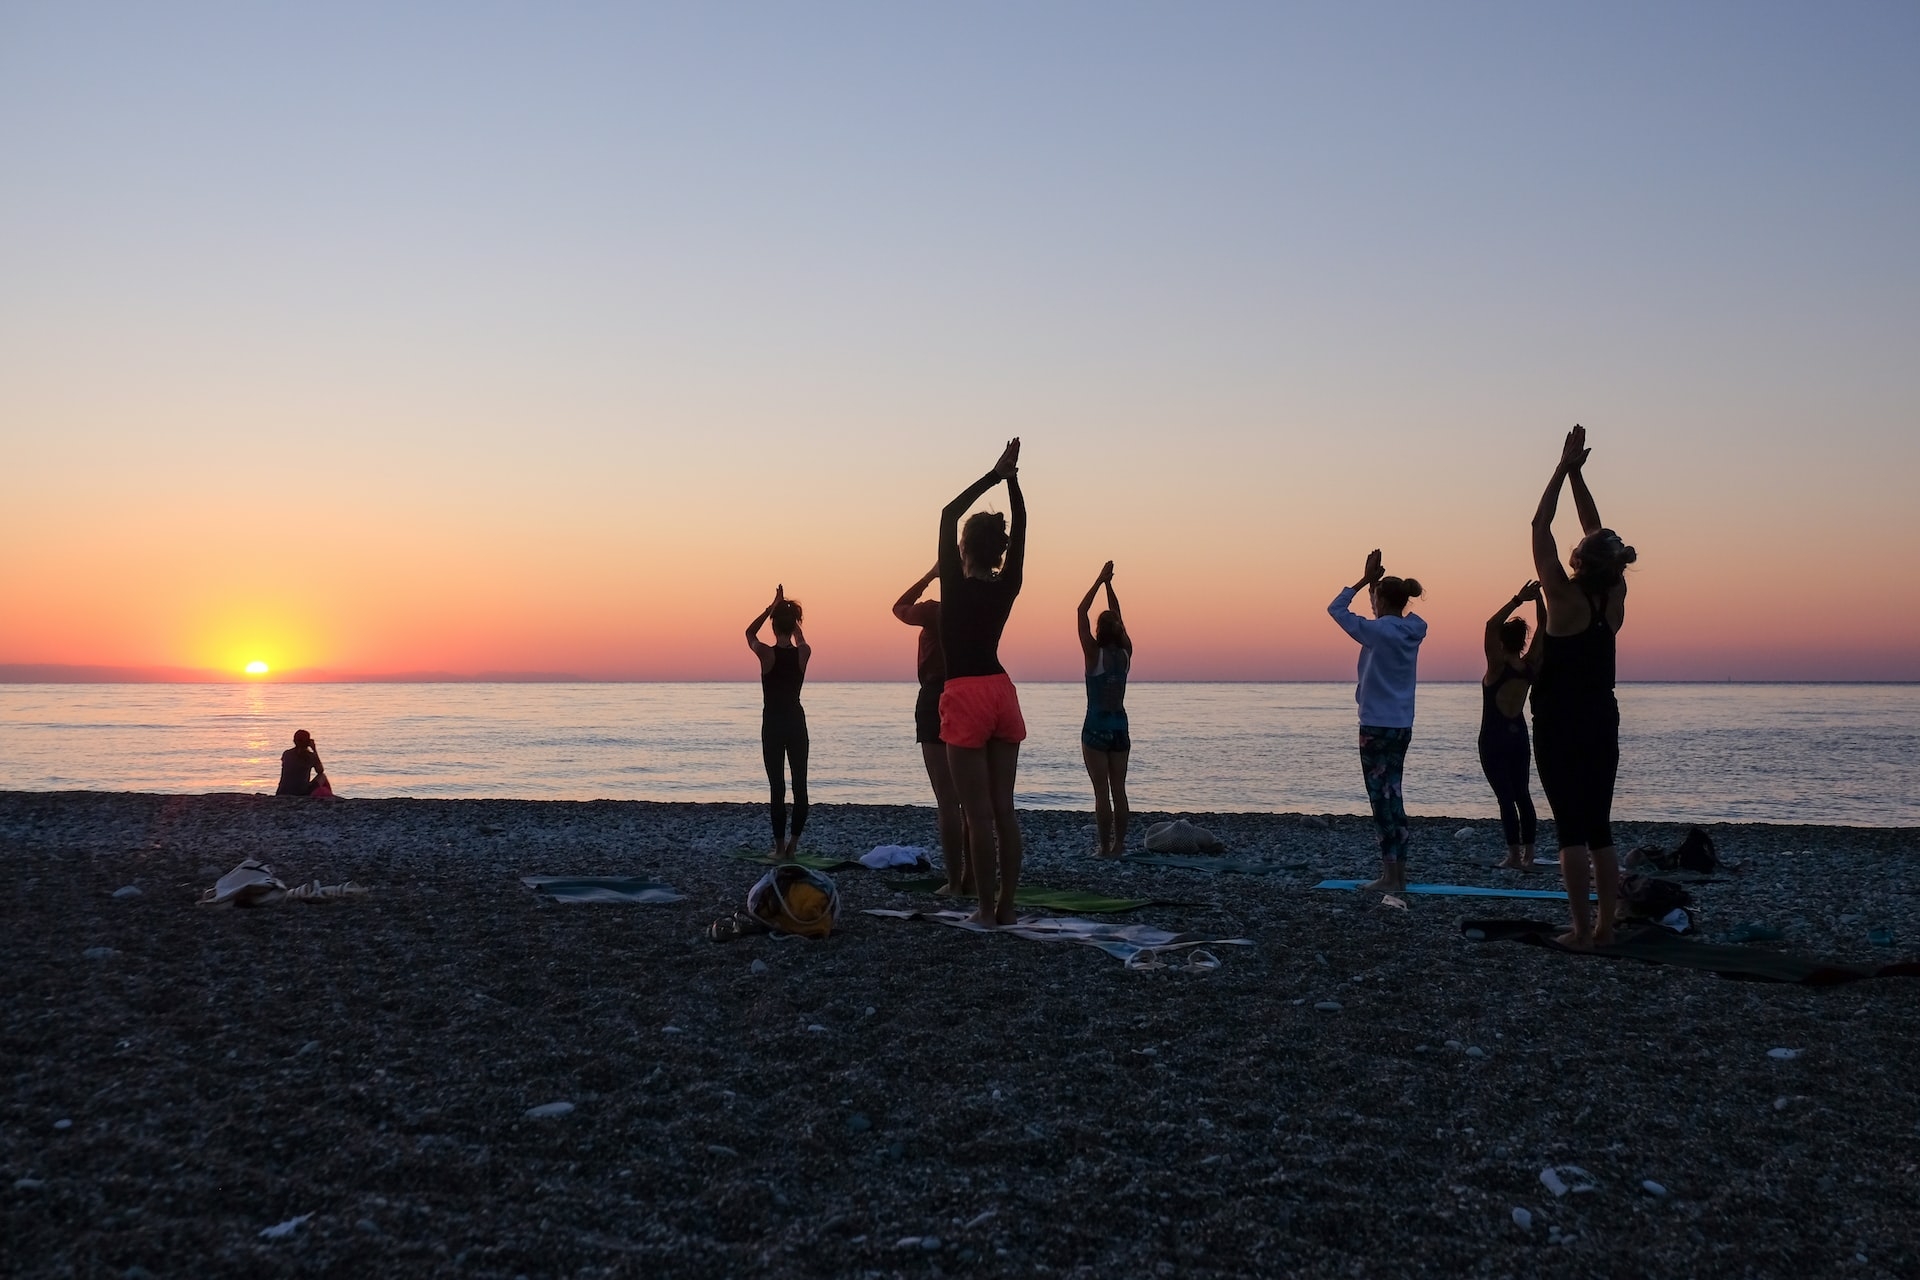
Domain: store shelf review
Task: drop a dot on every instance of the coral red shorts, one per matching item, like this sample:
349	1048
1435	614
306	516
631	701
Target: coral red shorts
977	709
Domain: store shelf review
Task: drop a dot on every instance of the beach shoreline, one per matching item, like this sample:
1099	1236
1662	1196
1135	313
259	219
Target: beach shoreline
1011	1107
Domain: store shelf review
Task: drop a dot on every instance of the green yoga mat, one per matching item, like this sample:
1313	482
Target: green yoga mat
601	889
1461	890
1196	862
1033	895
1657	946
812	861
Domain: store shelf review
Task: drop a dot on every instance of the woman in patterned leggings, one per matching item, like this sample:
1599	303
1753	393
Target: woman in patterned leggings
1389	655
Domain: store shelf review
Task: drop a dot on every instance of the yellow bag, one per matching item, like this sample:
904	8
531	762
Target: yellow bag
796	899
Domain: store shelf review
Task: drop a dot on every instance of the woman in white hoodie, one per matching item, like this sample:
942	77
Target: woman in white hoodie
1389	655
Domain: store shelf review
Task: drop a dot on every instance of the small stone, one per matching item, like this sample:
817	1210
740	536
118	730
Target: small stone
128	891
907	1242
1652	1188
930	1243
28	1184
1464	834
1420	1048
858	1123
980	1220
757	968
1475	935
1475	1051
99	953
671	1031
1522	1219
1455	1045
869	1011
547	1110
1783	1055
311	1046
63	1124
1551	1180
814	1026
1327	1006
722	1150
367	1225
1781	1104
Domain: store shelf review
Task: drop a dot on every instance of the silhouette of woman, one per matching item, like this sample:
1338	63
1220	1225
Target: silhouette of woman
297	763
932	670
1576	718
783	721
981	569
1104	741
1389	657
1506	757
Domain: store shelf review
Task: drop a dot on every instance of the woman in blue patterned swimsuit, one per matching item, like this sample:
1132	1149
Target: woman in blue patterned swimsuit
1104	742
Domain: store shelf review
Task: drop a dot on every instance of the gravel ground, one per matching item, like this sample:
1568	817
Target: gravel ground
906	1099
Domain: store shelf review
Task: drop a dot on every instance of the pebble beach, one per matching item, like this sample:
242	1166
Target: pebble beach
373	1086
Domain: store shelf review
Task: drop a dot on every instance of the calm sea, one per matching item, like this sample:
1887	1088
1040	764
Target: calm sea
1847	754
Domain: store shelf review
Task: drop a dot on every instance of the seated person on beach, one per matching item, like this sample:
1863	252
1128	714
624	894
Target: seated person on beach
301	773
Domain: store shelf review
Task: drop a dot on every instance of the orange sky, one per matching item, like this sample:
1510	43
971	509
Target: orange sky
317	348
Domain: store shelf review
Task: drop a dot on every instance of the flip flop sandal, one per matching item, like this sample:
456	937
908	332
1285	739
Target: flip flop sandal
1199	961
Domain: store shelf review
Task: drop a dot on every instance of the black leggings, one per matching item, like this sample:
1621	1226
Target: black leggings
783	742
1507	762
1579	754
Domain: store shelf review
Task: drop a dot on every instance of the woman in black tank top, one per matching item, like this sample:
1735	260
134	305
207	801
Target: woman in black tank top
783	721
1576	721
1505	755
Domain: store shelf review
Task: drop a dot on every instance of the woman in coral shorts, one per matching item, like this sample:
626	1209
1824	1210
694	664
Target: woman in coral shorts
980	573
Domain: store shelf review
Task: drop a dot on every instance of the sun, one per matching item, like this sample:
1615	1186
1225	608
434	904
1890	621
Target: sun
257	668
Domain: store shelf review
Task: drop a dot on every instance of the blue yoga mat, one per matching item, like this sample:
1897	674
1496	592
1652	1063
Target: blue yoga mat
1461	890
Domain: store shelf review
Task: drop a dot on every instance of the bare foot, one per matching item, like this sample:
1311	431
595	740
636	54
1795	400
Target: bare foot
1005	916
1107	853
1575	940
780	854
1603	937
983	917
1509	864
1382	885
1531	865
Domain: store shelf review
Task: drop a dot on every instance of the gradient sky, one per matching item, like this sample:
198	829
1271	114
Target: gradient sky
503	337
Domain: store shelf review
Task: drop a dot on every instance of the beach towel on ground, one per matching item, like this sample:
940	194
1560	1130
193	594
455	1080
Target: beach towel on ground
1033	895
1139	946
1461	890
601	889
255	884
1657	946
894	855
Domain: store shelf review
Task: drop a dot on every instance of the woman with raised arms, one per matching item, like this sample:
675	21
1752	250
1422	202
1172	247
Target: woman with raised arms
981	569
783	721
1104	741
1576	719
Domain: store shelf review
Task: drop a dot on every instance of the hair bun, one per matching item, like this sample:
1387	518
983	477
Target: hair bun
1413	586
1628	555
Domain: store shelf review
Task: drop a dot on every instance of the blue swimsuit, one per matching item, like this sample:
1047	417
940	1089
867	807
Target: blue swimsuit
1105	728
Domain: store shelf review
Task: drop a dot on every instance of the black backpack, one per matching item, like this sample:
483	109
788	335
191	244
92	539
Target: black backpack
1651	897
1696	853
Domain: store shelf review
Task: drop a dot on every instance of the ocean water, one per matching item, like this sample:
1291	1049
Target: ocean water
1845	754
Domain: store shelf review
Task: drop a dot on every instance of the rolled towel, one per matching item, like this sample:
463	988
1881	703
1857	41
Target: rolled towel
1181	836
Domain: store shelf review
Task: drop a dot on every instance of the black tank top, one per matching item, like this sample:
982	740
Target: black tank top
1492	719
780	683
1577	670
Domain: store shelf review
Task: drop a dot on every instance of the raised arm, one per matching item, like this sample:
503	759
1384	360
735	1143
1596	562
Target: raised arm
1005	469
1536	649
1113	603
1496	652
1014	568
754	642
1341	610
1086	605
1583	496
903	607
1546	552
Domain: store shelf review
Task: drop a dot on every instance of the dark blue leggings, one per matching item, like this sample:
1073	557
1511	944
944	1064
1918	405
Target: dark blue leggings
1507	760
782	743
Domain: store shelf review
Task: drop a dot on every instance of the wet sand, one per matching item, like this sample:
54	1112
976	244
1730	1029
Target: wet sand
907	1099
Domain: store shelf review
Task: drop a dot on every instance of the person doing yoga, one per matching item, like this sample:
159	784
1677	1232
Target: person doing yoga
1576	719
981	568
1389	657
932	670
1505	755
1104	743
783	721
301	773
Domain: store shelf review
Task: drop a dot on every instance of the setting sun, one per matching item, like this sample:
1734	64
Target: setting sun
257	668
